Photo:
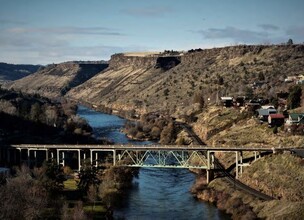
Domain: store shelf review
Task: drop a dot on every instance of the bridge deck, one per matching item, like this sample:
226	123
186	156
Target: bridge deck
148	147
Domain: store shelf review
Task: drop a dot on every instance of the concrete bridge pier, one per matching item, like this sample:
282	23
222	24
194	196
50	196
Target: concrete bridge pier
210	166
62	158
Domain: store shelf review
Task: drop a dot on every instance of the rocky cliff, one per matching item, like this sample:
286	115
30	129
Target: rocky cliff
55	80
171	83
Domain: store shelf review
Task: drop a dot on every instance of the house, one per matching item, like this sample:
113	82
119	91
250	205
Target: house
276	120
295	119
267	107
227	101
264	113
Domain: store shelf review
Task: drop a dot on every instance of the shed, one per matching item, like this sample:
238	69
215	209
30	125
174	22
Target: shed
276	120
295	118
227	101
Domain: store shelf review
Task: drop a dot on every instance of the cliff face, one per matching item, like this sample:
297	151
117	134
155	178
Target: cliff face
164	62
168	83
127	82
55	80
171	83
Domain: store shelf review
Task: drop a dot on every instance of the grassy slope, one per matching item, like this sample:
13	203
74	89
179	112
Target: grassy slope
173	90
228	127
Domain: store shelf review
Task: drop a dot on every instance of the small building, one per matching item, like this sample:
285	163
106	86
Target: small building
264	113
295	119
267	107
276	120
227	101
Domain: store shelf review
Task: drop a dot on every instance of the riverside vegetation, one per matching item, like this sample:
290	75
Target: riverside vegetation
39	193
186	87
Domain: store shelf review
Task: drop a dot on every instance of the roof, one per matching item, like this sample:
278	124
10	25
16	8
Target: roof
266	112
267	107
276	116
296	116
226	98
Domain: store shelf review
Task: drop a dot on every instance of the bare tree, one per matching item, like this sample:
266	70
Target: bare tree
22	197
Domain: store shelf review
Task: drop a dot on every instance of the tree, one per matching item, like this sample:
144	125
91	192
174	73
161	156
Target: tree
294	98
88	176
220	80
35	112
290	42
167	134
261	76
166	92
92	195
23	197
51	177
199	98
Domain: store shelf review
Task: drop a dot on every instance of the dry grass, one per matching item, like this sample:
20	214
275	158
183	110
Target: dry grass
198	72
281	176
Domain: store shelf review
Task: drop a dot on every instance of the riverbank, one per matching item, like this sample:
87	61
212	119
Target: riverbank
279	175
145	199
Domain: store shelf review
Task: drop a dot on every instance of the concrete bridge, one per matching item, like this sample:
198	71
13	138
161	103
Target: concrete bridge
161	156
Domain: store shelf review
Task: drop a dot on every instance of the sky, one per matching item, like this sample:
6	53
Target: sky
54	31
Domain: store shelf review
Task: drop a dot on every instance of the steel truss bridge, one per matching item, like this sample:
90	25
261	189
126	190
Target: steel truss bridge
161	156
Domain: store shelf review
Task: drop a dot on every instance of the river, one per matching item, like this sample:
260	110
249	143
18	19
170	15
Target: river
156	193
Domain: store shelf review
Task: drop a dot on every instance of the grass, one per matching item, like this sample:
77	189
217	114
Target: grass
70	184
281	176
98	212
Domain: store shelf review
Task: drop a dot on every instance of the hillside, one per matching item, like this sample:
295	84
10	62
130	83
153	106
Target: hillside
170	83
9	72
55	80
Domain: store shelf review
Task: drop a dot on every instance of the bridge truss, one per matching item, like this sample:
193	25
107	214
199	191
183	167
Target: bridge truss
163	158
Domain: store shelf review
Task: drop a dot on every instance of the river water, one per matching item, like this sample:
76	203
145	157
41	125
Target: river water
156	193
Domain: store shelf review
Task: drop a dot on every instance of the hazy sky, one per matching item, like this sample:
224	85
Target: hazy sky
52	31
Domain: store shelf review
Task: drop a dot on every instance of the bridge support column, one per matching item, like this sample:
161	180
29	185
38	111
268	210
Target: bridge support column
63	159
96	158
58	157
46	155
114	157
28	157
79	160
91	157
52	155
238	163
209	172
35	157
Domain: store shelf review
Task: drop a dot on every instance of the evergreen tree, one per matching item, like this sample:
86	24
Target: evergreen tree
294	98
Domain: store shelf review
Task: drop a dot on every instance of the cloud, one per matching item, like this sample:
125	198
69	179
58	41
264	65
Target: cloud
235	34
11	22
268	27
66	30
151	11
296	32
53	45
